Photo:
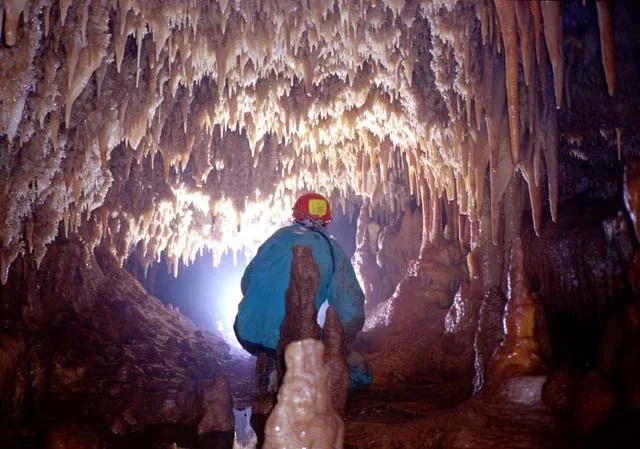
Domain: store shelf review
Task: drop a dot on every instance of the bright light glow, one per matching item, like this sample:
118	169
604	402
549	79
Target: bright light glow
230	296
244	233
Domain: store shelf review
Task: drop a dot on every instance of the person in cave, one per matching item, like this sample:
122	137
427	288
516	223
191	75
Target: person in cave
266	278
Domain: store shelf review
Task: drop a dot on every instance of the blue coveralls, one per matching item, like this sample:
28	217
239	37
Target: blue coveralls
266	279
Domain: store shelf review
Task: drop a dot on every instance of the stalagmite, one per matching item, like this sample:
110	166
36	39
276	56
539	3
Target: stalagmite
218	409
304	416
607	47
519	353
300	311
335	359
553	34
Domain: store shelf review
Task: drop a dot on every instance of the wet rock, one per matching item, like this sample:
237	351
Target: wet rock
488	334
519	352
303	416
406	341
525	390
576	269
632	191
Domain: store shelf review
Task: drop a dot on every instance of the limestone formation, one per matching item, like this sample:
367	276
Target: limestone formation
218	407
304	416
519	352
299	320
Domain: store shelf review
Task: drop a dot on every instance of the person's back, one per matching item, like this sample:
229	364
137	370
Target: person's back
266	278
264	285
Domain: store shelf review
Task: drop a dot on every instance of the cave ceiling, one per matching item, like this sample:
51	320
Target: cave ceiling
174	126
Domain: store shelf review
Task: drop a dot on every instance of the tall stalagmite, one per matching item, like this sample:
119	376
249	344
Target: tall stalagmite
304	416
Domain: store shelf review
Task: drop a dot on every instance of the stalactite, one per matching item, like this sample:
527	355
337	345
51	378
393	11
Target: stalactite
507	14
13	9
526	46
333	90
607	47
552	20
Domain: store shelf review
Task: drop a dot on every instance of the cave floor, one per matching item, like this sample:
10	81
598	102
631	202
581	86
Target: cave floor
441	416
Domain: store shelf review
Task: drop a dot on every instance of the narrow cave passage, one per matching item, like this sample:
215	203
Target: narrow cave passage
482	162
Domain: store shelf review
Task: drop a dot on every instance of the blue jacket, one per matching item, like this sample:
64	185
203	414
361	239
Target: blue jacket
266	279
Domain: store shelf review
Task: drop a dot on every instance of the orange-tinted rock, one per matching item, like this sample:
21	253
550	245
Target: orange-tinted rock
519	352
335	359
303	416
73	437
408	340
594	401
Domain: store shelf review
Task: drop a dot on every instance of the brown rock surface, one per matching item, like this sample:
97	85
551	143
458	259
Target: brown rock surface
405	339
218	407
300	310
383	253
595	401
335	359
100	348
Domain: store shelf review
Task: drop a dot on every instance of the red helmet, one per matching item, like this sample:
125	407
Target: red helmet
312	206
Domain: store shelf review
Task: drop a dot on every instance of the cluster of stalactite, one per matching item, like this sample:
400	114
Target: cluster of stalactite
153	100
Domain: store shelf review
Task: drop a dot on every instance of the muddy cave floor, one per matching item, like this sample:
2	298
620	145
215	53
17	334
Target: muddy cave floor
437	415
446	415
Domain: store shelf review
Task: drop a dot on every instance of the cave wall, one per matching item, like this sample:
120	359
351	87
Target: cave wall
84	345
